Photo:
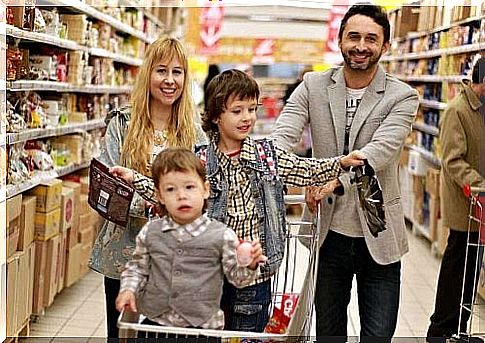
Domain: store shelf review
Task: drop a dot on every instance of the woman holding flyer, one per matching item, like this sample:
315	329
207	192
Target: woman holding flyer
161	115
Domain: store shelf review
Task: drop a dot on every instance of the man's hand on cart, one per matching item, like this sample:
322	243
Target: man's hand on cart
123	173
126	301
314	194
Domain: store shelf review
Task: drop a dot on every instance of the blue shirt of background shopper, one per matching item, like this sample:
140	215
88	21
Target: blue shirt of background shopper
247	181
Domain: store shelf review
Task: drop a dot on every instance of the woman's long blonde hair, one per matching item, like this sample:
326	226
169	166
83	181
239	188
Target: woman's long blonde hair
138	141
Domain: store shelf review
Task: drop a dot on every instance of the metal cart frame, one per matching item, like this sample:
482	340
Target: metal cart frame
475	215
283	282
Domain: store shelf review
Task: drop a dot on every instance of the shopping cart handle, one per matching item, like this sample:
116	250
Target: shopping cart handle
294	199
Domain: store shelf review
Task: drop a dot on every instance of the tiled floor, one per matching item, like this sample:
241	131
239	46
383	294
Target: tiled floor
79	310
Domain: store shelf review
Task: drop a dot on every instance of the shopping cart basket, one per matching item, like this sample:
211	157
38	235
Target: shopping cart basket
296	279
475	307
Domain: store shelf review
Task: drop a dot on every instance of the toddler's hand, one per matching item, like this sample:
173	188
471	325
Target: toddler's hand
123	173
354	159
126	302
257	253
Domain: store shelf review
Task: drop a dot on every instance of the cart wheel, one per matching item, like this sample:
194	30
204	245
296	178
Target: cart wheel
34	318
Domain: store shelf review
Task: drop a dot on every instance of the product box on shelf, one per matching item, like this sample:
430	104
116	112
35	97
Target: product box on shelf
86	236
39	276
47	224
25	285
67	208
27	222
72	265
61	261
14	209
48	195
50	285
12	286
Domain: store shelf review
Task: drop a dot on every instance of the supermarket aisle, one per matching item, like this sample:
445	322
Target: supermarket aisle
79	310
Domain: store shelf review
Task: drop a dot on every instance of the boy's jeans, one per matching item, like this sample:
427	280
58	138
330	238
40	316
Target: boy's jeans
246	309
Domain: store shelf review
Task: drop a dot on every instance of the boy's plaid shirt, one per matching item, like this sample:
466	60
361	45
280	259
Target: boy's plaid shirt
241	214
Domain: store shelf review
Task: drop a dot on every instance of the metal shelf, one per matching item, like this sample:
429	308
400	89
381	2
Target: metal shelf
43	176
427	155
94	13
433	104
26	135
115	57
70	45
44	38
414	35
433	78
23	85
435	53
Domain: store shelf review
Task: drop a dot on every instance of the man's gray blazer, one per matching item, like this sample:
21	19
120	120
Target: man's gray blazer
382	122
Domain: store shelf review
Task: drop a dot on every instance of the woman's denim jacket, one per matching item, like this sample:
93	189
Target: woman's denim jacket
115	244
267	191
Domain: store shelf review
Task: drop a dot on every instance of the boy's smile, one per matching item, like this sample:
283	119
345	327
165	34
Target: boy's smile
236	122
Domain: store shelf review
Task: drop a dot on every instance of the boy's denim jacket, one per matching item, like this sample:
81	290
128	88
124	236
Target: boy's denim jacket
268	194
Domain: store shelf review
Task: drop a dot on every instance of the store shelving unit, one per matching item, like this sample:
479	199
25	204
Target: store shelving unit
416	53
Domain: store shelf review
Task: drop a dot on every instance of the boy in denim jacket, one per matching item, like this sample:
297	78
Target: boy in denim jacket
248	179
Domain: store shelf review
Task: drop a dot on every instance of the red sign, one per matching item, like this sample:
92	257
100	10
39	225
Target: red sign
263	50
339	8
211	19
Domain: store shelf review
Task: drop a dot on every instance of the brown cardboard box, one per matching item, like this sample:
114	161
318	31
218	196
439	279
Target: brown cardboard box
50	286
83	204
61	261
72	235
86	236
25	287
47	224
67	208
48	195
72	265
84	221
13	235
407	20
39	276
14	207
12	285
433	182
85	255
27	222
84	185
76	187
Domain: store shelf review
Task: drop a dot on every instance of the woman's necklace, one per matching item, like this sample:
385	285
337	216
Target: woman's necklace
160	137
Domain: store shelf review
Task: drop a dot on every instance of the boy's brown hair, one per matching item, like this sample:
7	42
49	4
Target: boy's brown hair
176	160
229	83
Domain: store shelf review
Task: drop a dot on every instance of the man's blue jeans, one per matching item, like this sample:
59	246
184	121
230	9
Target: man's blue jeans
378	287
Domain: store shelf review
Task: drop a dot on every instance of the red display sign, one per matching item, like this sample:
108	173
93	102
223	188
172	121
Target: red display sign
211	19
263	50
339	8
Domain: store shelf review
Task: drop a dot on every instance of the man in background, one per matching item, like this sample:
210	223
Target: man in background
462	132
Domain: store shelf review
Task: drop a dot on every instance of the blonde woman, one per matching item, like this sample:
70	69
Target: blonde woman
161	115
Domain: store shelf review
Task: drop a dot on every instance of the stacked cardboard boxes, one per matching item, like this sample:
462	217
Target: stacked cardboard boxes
47	242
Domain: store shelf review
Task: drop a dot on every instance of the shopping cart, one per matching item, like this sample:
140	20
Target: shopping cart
474	250
294	282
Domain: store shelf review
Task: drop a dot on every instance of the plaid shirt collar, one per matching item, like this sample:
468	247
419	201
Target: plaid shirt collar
246	154
194	229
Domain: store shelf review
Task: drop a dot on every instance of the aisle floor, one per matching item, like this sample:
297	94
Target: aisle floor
79	310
